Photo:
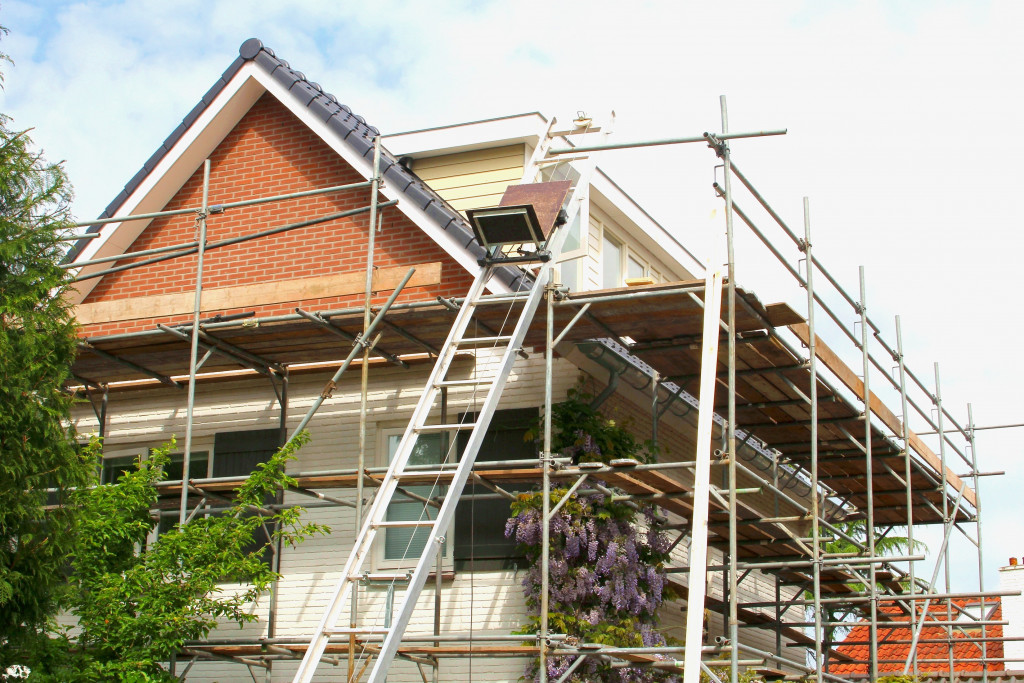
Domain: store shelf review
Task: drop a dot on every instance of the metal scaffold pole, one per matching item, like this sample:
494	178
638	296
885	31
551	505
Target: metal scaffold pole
194	349
981	562
949	520
364	379
542	640
907	473
813	394
731	420
869	467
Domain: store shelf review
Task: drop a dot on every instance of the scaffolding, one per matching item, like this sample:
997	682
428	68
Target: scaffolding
795	416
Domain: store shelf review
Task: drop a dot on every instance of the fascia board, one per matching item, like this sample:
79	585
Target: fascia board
613	200
168	176
466	137
365	168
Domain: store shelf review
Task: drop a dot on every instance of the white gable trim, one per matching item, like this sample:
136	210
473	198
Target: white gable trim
173	170
202	138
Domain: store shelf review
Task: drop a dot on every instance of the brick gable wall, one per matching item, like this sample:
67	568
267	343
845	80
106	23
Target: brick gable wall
272	152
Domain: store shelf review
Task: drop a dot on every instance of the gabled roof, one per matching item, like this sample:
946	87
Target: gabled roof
964	647
347	132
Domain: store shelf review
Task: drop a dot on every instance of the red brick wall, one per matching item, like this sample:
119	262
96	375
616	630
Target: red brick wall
271	152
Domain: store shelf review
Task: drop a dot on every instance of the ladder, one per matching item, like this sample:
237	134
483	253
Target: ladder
459	338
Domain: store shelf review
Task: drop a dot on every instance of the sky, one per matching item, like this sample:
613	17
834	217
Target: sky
903	132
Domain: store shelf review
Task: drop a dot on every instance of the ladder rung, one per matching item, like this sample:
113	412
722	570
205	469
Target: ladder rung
348	631
480	341
405	576
500	298
428	429
464	382
404	523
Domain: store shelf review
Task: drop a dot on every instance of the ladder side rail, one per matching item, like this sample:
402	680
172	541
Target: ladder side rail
320	639
447	512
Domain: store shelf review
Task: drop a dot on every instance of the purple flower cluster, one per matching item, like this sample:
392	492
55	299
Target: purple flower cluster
606	579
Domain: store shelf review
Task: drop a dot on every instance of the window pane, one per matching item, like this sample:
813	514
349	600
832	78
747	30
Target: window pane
197	466
569	275
402	543
114	468
573	239
611	263
634	268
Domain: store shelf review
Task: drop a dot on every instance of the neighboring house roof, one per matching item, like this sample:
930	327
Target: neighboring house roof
344	126
964	649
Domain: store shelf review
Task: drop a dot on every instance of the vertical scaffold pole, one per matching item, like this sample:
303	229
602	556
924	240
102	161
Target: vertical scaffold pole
948	523
981	562
815	511
186	460
873	589
549	342
907	474
364	385
731	429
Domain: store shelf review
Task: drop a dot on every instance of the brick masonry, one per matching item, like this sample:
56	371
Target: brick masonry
272	152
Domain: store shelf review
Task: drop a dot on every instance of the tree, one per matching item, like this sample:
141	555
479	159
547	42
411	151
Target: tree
885	544
137	603
37	345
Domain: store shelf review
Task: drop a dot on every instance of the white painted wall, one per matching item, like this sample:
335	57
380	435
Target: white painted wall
1011	578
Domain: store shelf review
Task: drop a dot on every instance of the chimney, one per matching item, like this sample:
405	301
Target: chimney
1011	578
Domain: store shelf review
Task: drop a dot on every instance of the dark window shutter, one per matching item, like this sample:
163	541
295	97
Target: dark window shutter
236	454
480	524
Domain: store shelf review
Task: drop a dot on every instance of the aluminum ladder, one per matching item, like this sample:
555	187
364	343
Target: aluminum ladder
376	520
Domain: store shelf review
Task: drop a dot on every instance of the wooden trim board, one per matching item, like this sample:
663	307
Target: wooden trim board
854	384
245	296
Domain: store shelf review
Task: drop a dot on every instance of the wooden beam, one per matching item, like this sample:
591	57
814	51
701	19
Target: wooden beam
246	296
856	385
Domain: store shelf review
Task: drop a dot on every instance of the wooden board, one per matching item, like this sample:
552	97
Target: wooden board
244	296
854	384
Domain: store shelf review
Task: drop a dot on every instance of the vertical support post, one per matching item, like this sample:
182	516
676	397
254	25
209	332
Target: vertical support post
873	588
194	351
815	511
545	542
438	578
698	556
731	428
947	519
981	562
104	405
282	398
655	383
907	474
364	379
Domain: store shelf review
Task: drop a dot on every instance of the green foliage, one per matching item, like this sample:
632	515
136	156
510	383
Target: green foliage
606	558
582	433
37	345
136	607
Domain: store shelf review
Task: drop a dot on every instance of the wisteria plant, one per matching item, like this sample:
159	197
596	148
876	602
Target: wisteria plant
606	567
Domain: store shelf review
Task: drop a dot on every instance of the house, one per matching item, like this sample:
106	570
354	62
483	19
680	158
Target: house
283	300
972	647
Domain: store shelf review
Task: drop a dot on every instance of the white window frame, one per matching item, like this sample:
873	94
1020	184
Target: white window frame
384	432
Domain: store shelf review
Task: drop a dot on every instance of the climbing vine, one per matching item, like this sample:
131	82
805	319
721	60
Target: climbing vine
607	558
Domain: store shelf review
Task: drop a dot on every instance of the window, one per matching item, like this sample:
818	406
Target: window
611	262
480	524
113	467
235	454
634	267
407	543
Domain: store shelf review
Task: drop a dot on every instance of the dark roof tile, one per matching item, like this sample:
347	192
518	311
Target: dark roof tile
304	92
196	112
162	150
